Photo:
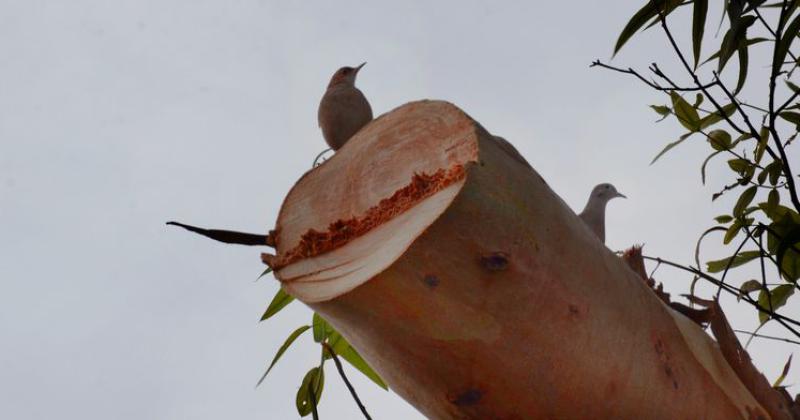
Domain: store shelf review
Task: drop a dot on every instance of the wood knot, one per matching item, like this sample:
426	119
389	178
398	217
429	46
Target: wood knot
431	280
494	261
469	397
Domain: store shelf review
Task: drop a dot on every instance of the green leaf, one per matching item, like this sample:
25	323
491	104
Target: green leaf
792	86
773	199
698	27
739	166
785	219
670	146
698	100
278	302
293	336
749	43
785	372
762	144
747	287
734	261
265	272
705	163
780	295
762	177
775	170
732	231
719	139
735	37
638	20
314	380
790	116
786	256
744	200
716	117
347	352
686	114
321	328
723	219
786	42
662	110
744	60
781	215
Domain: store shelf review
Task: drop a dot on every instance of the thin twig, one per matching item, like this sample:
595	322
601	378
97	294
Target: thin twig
346	381
766	254
768	337
769	28
728	267
744	115
781	319
314	413
654	85
702	87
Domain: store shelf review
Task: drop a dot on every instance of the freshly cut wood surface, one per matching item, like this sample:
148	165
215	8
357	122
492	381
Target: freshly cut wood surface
397	175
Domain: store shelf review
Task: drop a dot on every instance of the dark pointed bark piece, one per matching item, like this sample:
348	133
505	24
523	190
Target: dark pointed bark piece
228	236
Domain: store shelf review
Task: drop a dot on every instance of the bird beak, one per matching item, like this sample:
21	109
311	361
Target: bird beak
359	66
620	195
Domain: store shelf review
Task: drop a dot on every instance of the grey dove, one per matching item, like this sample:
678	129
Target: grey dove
343	109
594	214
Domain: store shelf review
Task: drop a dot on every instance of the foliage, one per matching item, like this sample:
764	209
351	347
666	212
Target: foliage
753	134
310	391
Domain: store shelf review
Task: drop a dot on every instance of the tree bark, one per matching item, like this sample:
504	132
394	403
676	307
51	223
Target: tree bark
477	293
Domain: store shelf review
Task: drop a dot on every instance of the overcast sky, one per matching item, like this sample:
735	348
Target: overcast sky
116	116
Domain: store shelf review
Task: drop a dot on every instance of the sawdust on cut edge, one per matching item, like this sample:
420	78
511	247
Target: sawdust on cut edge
340	232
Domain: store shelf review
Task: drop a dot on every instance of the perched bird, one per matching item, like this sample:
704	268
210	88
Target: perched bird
343	109
594	214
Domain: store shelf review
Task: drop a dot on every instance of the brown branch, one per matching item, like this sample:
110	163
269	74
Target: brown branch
729	265
702	87
654	85
781	319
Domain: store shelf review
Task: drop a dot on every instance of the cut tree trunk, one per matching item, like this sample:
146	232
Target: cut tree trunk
476	292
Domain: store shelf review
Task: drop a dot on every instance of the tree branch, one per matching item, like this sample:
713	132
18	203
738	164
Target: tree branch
654	85
776	66
696	80
783	320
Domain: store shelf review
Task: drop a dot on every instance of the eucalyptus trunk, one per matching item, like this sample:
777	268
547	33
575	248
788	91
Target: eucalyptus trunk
476	292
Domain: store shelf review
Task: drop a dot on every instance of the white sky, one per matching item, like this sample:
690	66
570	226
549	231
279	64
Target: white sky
116	116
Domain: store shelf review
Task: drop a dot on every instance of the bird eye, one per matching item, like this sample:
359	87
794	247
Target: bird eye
608	186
